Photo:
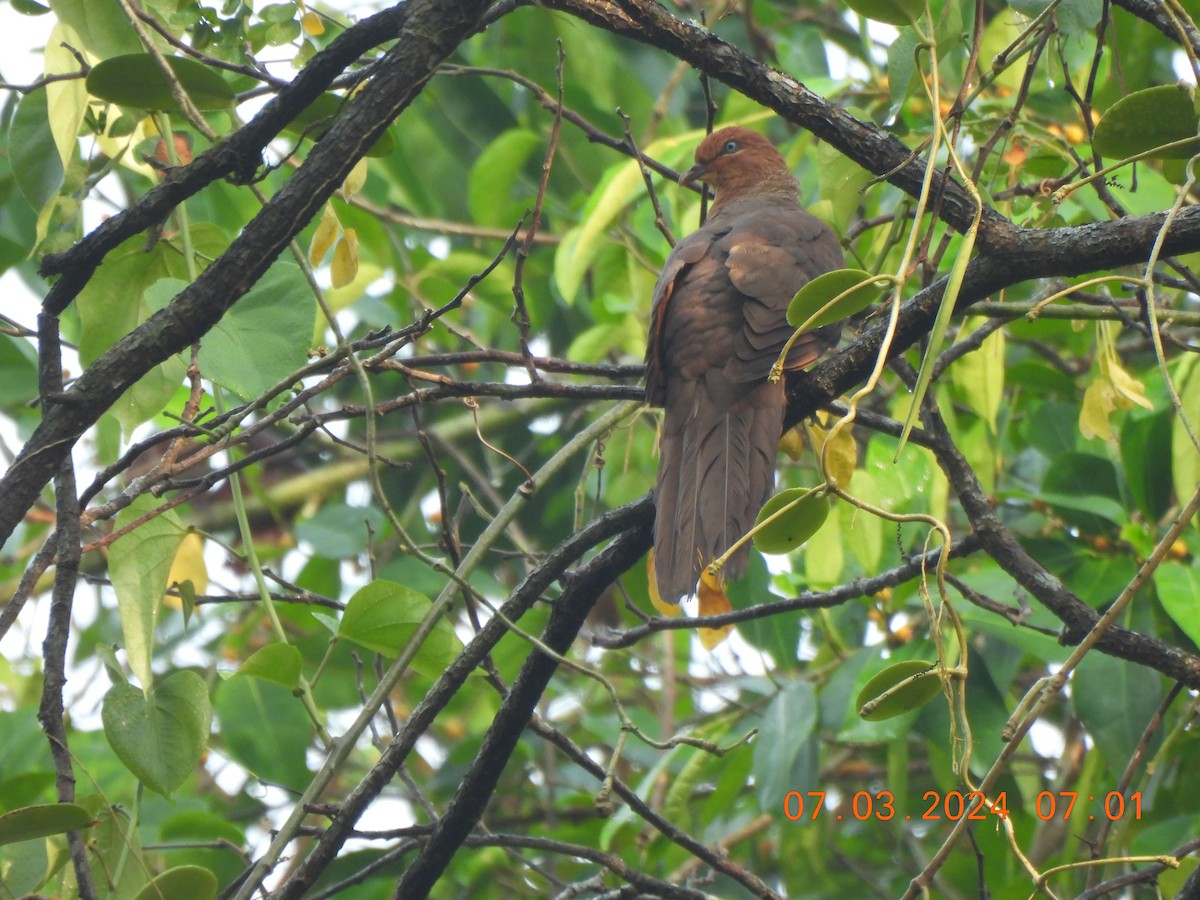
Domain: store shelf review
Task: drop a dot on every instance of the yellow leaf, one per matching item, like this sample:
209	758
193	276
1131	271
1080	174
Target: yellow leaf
312	24
355	180
792	443
842	458
66	100
345	259
1127	390
979	376
323	237
1093	414
670	610
713	602
1112	388
188	565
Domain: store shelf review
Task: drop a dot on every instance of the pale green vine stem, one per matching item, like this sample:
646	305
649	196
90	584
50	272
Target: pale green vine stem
715	567
962	259
1015	50
953	676
163	123
344	744
845	421
1068	189
627	724
178	93
1010	834
876	280
1042	694
260	583
1151	307
1178	15
1036	309
129	836
1169	861
1185	725
897	296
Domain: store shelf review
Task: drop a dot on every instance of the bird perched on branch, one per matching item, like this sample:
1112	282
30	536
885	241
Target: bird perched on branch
718	324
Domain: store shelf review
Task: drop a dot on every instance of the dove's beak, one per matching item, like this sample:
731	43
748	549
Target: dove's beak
694	174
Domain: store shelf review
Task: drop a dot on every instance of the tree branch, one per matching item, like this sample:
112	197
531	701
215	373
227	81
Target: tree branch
630	521
431	30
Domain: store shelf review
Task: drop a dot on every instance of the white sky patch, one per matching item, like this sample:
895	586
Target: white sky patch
546	424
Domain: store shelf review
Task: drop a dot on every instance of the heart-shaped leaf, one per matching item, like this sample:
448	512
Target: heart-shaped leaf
32	822
138	564
275	662
383	615
860	290
1147	119
801	512
159	739
924	687
272	325
135	80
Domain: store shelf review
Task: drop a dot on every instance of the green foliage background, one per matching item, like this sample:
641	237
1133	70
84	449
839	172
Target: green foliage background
262	524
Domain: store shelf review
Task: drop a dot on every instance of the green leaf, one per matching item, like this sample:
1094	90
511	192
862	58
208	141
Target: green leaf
29	7
1147	119
114	839
493	174
784	750
1082	489
314	120
122	294
779	638
197	823
32	822
864	535
265	337
18	372
181	883
853	289
102	24
893	12
159	738
138	565
275	662
1074	17
925	686
825	558
902	67
801	512
1116	701
383	615
1179	592
620	185
339	531
978	376
135	80
841	180
937	335
25	867
278	13
36	165
154	390
1146	457
1185	461
276	753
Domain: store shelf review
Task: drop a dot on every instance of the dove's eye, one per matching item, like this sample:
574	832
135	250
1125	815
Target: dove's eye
730	147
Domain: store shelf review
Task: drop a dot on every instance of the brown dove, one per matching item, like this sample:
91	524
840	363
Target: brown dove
717	325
